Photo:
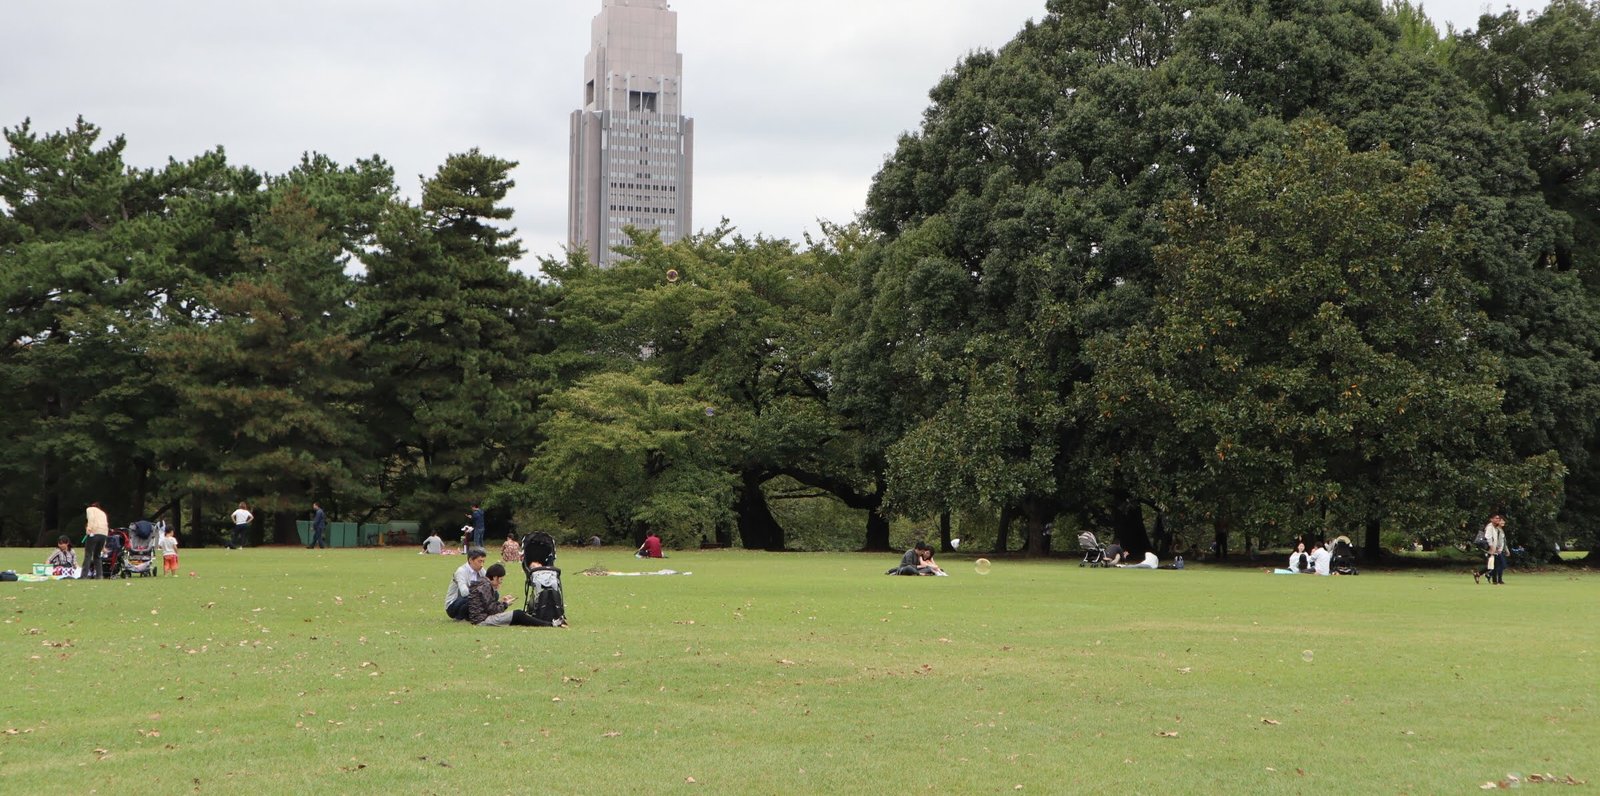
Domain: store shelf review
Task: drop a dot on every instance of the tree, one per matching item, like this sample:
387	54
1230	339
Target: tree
744	327
1540	76
81	243
263	382
1315	343
452	332
1020	223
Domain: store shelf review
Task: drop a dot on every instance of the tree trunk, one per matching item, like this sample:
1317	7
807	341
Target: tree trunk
1035	543
877	533
1373	548
50	501
1220	526
197	521
1128	525
283	528
758	529
1002	540
1163	537
944	531
140	489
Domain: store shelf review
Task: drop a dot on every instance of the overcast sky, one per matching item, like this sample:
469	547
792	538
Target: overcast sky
796	102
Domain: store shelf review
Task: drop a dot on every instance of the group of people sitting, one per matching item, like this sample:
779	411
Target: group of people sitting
474	595
918	561
1318	558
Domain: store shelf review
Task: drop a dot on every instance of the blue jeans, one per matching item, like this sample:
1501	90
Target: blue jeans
317	539
1498	574
239	533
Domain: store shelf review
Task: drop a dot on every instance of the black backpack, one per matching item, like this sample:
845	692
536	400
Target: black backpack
547	602
1482	540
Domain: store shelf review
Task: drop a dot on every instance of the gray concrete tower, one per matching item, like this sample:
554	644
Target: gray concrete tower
632	148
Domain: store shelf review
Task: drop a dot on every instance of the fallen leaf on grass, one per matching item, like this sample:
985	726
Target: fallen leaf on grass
1186	670
689	780
611	734
1273	722
785	662
1166	734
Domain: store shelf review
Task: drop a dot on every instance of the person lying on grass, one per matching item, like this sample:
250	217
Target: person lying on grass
486	607
1150	562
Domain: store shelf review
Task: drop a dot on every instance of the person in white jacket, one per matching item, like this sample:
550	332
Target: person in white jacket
1321	559
1150	562
1499	551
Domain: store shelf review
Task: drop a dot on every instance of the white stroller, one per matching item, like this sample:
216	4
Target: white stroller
1093	553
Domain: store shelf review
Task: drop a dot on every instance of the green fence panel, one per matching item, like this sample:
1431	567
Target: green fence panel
371	532
303	527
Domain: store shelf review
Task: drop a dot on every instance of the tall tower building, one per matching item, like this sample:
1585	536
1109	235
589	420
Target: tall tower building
632	147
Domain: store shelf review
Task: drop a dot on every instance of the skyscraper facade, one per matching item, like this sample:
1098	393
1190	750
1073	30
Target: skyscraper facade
632	148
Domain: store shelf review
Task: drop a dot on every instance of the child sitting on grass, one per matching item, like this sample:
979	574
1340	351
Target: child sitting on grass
62	561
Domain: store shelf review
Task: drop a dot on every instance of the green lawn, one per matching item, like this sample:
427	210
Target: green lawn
294	671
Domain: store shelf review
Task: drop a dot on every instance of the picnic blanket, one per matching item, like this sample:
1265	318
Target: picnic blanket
634	574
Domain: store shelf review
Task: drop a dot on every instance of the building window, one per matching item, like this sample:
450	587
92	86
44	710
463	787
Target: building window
642	101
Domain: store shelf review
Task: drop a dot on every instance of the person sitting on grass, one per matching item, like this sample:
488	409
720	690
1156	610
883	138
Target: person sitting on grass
455	599
1150	562
433	545
910	561
486	607
1300	559
925	564
651	547
1321	558
511	550
62	561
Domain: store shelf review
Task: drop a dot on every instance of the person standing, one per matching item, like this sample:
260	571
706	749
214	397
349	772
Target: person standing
477	525
241	525
95	528
1499	551
169	553
319	526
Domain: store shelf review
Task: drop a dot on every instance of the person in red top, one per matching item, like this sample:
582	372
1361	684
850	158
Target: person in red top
651	547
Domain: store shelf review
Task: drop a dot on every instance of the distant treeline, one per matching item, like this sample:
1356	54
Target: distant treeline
1188	273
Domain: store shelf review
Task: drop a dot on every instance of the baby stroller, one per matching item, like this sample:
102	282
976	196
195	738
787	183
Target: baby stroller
140	556
1093	553
1343	561
113	556
542	596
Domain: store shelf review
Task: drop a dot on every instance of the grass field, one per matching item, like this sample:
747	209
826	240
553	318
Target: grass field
295	671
